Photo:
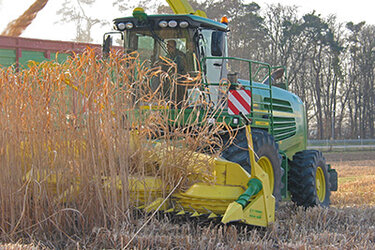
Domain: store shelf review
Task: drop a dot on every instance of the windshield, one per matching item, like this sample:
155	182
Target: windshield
175	44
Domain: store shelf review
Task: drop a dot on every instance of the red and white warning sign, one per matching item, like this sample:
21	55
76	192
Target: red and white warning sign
239	101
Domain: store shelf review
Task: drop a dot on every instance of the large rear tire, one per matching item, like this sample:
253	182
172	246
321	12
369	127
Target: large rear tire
309	182
267	156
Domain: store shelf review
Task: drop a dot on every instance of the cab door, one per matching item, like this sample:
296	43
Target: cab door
214	44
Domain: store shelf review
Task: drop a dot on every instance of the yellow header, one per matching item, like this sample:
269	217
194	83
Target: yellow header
153	107
183	7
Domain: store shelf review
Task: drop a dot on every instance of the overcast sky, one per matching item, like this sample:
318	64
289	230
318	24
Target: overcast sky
47	26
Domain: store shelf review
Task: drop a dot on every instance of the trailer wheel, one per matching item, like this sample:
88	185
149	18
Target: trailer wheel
267	156
309	182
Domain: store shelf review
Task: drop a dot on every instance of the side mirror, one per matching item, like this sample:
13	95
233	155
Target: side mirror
107	43
217	43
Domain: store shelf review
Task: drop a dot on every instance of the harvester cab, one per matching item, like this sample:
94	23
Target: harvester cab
185	39
267	160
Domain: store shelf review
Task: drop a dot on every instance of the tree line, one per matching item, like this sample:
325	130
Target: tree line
330	64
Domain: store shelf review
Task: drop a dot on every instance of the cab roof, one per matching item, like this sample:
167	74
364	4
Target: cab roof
153	20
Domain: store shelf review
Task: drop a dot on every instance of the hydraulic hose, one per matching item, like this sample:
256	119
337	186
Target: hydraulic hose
254	187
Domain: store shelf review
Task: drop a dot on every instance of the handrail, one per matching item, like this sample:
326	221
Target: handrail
251	86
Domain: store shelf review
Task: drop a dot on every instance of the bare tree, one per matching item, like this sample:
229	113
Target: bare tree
74	11
361	43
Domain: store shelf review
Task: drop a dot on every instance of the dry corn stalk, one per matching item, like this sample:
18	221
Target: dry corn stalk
77	130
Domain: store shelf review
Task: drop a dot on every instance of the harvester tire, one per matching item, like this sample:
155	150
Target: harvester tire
266	150
309	183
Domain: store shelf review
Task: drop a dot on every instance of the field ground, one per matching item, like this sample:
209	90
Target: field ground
356	172
349	223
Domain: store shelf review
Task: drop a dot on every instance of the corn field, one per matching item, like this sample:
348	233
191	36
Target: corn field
72	134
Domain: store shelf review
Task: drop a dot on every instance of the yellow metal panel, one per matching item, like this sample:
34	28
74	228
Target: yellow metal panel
219	171
154	107
146	184
155	204
201	205
200	13
236	175
261	123
233	213
183	7
180	6
255	213
213	192
260	211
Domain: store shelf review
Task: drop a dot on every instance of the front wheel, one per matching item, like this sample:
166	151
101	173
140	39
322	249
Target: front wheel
266	154
309	182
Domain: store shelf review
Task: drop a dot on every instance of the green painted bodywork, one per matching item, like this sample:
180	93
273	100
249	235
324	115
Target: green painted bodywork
277	110
285	119
289	121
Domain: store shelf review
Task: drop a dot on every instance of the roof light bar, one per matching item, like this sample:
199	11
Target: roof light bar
129	25
172	24
163	24
184	24
121	26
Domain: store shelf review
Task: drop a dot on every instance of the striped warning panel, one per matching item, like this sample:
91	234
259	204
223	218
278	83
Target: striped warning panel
239	101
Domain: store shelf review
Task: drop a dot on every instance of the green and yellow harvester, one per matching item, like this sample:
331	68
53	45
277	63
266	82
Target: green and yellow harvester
267	161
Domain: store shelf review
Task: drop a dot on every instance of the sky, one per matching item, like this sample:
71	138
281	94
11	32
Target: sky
47	24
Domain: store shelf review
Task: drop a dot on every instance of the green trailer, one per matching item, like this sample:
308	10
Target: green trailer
18	51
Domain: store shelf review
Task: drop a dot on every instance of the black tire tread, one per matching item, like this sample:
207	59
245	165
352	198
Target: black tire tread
302	178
